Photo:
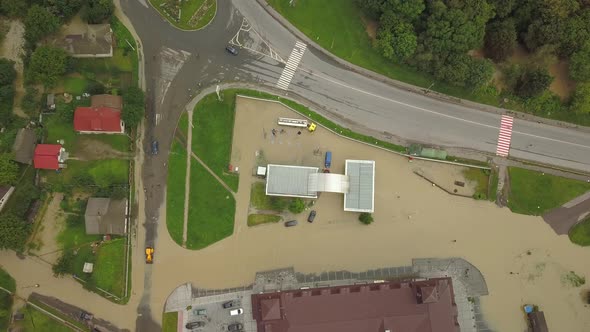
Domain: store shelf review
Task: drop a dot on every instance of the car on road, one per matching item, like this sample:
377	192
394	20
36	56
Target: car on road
155	146
291	223
228	304
194	325
232	50
235	327
84	316
149	255
311	216
236	312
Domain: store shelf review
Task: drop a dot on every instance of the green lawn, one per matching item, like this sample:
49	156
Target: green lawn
117	142
82	174
211	209
533	193
75	85
175	191
494	185
258	219
170	322
183	124
213	127
74	235
109	269
580	233
481	178
7	282
36	320
188	8
125	57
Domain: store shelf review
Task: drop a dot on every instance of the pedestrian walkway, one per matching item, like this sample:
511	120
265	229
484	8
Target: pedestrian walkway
291	65
505	136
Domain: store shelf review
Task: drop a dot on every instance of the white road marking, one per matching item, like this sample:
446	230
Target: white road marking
291	65
438	113
504	136
247	27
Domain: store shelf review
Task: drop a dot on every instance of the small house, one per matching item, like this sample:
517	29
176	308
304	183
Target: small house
49	156
106	216
98	120
105	100
51	101
86	40
24	146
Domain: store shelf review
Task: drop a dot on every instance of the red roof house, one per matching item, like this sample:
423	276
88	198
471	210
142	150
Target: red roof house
48	156
100	120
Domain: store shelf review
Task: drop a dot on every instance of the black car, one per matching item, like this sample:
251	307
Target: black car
231	50
311	216
291	223
155	147
228	304
235	327
193	325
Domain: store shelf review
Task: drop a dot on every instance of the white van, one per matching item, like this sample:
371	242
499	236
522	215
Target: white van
236	312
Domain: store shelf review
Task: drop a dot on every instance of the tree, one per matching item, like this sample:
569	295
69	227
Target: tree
579	67
62	266
12	8
7	72
366	218
371	7
8	169
97	11
480	73
47	65
64	9
581	99
399	42
39	23
532	82
503	8
500	39
296	206
406	10
13	232
30	102
133	106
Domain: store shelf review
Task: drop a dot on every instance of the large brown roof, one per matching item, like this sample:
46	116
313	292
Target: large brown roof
381	307
105	216
24	146
111	101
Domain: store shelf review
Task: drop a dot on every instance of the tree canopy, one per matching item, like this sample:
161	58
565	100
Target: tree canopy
13	8
580	64
7	71
97	11
63	9
47	65
13	232
581	99
39	23
133	106
500	39
8	169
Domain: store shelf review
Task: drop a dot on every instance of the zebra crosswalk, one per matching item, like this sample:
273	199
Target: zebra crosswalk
291	66
505	136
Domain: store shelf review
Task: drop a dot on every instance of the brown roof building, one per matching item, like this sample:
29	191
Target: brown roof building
24	146
110	101
105	216
410	306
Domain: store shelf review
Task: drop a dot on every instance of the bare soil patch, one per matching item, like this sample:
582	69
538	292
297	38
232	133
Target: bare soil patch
45	239
92	149
562	85
371	27
12	48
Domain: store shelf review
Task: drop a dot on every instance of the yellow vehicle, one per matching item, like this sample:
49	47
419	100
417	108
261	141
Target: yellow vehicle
311	127
149	255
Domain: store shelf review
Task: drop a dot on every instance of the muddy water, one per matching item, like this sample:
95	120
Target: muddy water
412	219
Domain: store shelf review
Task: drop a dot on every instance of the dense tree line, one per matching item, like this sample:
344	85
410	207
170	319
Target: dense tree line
436	37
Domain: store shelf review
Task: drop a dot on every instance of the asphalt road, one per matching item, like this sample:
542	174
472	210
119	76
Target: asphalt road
179	64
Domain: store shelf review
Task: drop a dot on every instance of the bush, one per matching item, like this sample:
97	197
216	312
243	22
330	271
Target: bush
30	103
97	11
296	206
480	196
63	264
74	220
533	82
366	218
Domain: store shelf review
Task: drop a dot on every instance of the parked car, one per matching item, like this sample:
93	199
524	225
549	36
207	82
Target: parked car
201	312
194	325
235	327
291	223
228	304
155	147
231	50
236	312
311	216
84	316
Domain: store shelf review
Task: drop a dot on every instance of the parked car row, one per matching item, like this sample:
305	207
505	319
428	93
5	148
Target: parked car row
310	218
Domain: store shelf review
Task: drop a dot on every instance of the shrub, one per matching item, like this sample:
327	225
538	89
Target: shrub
296	206
366	218
63	264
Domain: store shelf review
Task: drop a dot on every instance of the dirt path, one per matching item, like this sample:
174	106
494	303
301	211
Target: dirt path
46	238
12	48
187	179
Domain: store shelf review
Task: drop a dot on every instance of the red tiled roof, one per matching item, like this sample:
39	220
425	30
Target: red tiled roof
393	306
46	156
100	119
